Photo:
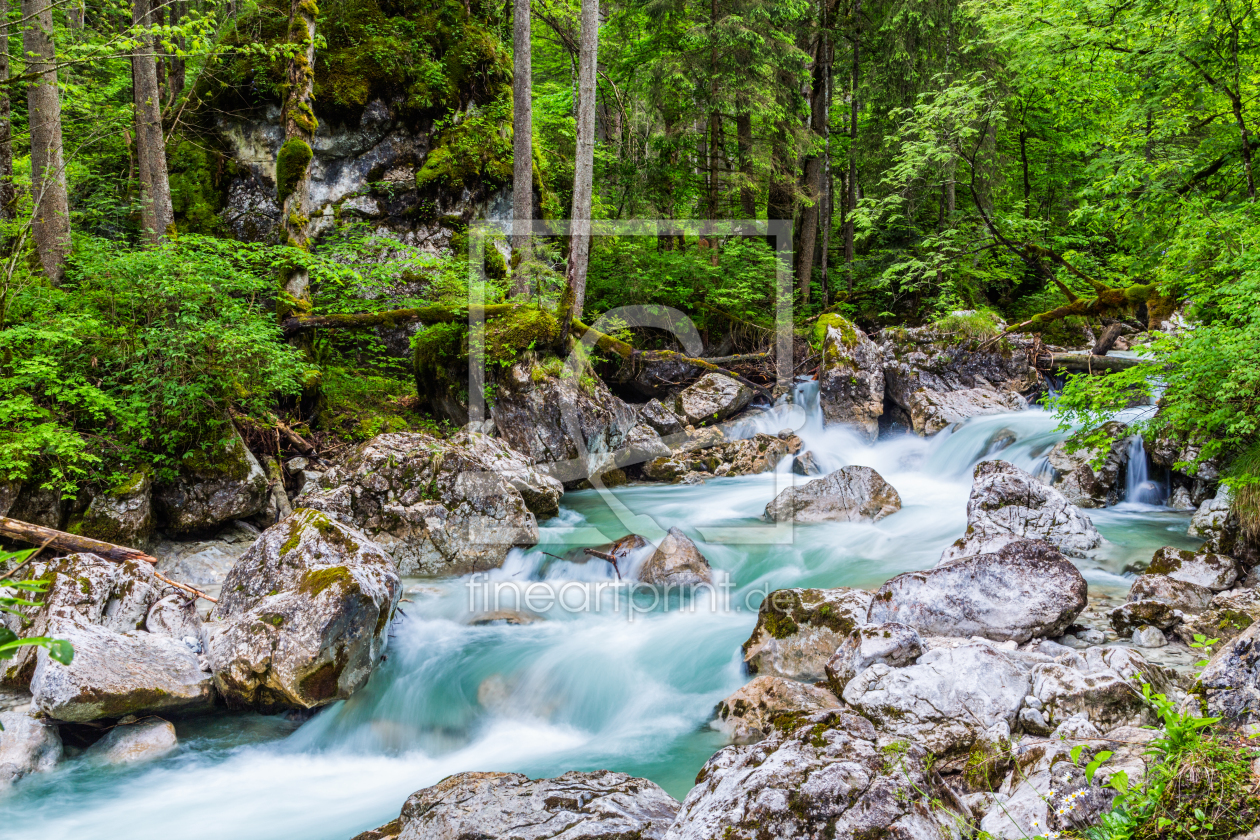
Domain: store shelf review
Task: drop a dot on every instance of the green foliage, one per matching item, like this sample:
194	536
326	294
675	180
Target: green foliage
472	151
291	163
979	323
12	600
198	178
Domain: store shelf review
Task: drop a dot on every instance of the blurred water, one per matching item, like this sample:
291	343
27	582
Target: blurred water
627	683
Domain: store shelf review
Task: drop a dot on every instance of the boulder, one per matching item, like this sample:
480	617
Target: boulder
850	494
833	775
1008	504
708	451
1135	614
205	562
565	425
767	703
215	485
27	745
433	506
850	377
83	589
1208	521
938	380
1227	614
798	631
947	701
122	515
1078	480
893	644
116	673
175	615
1149	637
806	464
1098	686
303	616
1181	499
1229	685
654	376
676	562
1178	594
659	417
38	505
712	399
575	806
540	491
1024	590
132	741
1216	572
643	444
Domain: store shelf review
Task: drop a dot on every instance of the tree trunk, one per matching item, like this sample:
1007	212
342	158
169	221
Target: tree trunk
811	178
522	140
851	197
294	161
1107	340
584	162
828	191
178	67
743	138
155	207
8	193
51	222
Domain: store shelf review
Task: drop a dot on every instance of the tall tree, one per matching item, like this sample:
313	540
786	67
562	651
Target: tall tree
155	210
8	193
51	221
294	161
851	192
522	139
584	160
177	66
812	174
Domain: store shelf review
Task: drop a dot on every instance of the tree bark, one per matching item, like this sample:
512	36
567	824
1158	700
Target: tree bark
744	141
584	163
811	178
155	200
8	193
51	222
851	180
522	139
1107	340
828	191
178	73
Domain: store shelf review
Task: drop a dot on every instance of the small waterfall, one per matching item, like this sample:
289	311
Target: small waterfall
1138	486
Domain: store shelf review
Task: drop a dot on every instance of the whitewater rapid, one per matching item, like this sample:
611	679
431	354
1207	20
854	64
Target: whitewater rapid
616	683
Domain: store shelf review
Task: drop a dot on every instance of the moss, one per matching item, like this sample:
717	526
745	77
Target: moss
1167	560
199	178
970	324
132	484
317	580
785	610
291	163
225	458
321	684
848	332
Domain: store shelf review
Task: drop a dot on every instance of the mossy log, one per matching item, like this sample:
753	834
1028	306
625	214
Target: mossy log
16	529
1087	363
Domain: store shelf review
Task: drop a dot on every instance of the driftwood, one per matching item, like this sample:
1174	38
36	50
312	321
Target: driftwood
611	558
1108	339
1087	363
39	535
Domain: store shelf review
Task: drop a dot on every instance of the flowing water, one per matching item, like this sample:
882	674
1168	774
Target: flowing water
610	679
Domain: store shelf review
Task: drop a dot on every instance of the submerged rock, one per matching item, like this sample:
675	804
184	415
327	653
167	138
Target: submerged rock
712	399
133	741
850	377
27	745
833	775
676	562
434	506
1008	504
850	494
215	486
806	464
303	616
767	703
798	631
579	806
1026	589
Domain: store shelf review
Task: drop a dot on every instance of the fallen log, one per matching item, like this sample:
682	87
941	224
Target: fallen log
1087	363
73	543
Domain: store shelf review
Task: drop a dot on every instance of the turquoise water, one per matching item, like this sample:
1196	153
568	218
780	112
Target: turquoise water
608	680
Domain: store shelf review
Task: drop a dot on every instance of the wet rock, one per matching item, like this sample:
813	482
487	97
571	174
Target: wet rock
1149	637
676	562
1209	520
1213	571
946	701
850	377
833	776
713	399
215	486
806	464
27	745
1129	617
798	631
1227	614
133	741
569	427
433	506
540	491
1178	594
85	589
114	674
892	644
643	444
850	494
767	703
277	505
205	562
122	515
303	615
658	377
1008	504
712	453
1024	590
1180	499
938	380
518	618
8	494
1230	683
659	417
665	469
1082	484
575	806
